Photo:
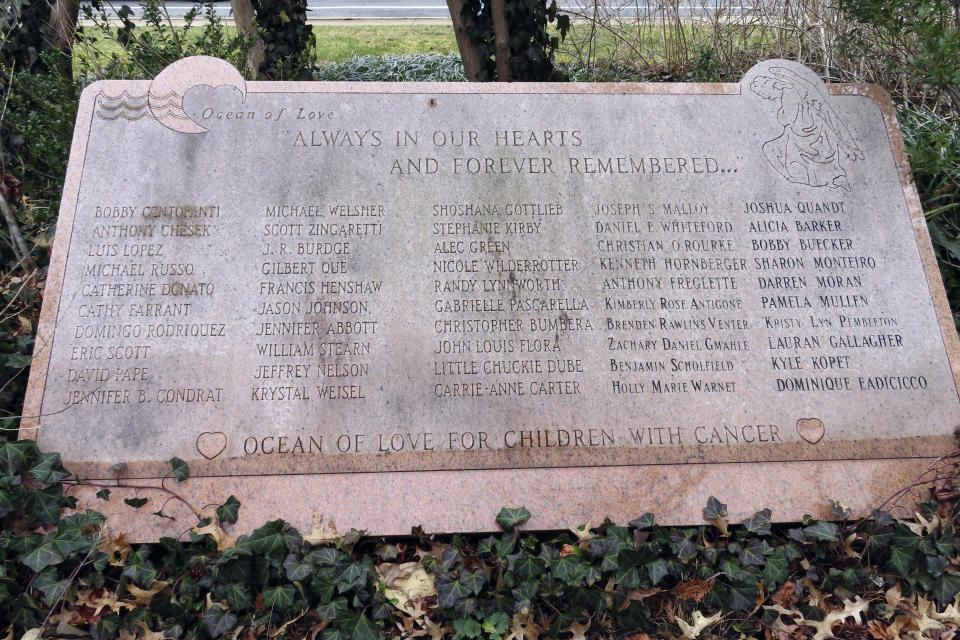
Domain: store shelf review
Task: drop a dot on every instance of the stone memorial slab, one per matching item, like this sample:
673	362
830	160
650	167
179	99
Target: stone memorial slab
403	304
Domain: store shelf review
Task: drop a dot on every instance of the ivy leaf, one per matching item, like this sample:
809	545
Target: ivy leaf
353	575
822	531
296	568
568	569
449	557
279	598
48	583
46	555
946	588
139	568
508	518
332	609
776	571
752	556
473	581
48	469
238	597
714	509
229	510
657	570
524	595
758	523
686	550
335	633
6	503
643	522
716	514
44	505
104	494
218	621
268	539
743	595
13	456
629	578
360	627
488	546
448	593
180	469
523	565
136	503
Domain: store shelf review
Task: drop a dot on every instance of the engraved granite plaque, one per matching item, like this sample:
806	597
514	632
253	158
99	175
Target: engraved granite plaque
402	304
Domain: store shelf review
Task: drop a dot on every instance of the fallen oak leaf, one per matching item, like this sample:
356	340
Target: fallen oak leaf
117	549
214	530
522	627
144	633
700	622
99	599
578	630
405	583
638	595
924	619
875	627
144	596
437	631
317	628
952	613
582	532
791	614
320	533
786	596
851	609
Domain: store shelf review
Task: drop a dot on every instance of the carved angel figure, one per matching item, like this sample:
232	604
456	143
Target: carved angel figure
814	141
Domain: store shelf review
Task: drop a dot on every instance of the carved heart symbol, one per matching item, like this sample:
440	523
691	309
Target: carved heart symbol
811	429
210	444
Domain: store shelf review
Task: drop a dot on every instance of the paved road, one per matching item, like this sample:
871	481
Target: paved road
320	10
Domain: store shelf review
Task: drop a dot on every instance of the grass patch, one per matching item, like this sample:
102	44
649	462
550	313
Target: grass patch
335	43
339	43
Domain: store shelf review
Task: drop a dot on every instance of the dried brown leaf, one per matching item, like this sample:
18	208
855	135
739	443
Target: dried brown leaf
321	533
639	595
851	609
144	596
437	631
144	633
214	530
786	596
578	630
877	630
522	627
408	584
694	589
117	549
567	550
582	532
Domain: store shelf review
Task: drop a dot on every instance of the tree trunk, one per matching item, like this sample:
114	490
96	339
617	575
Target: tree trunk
501	39
243	18
20	248
63	24
953	91
468	51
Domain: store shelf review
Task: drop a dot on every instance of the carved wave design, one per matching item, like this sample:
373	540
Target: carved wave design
125	106
126	116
